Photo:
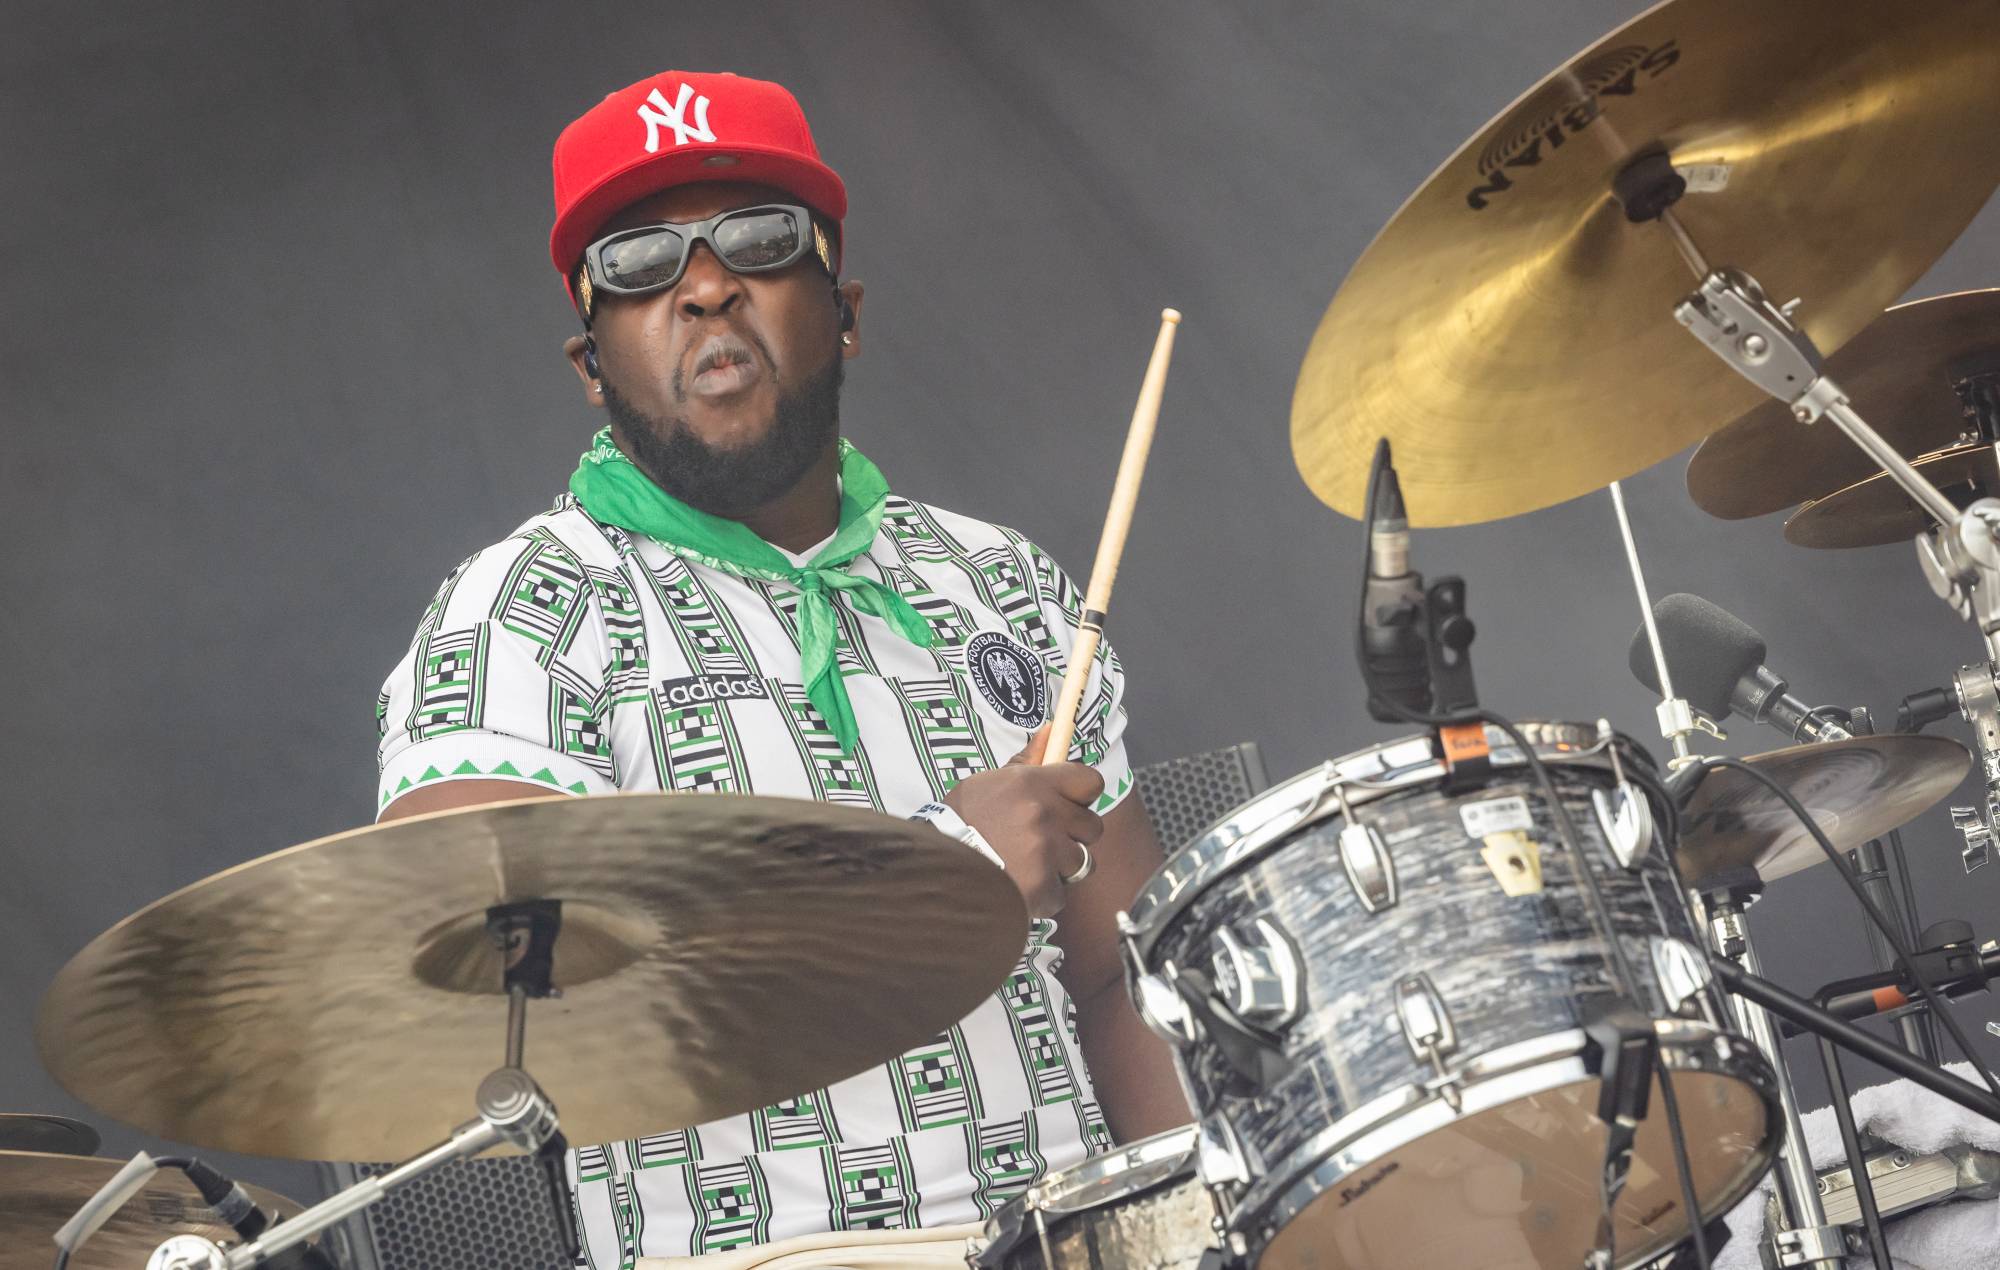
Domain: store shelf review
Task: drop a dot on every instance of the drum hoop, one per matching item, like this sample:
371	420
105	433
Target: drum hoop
1255	829
1009	1228
1500	1076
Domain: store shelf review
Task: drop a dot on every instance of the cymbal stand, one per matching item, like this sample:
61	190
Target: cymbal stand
1810	1240
513	1111
1730	313
1678	719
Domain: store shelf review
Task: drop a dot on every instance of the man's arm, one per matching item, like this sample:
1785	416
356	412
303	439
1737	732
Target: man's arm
453	795
1132	1068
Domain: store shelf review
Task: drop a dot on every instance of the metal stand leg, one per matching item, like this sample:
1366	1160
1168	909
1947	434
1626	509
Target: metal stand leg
1857	1159
1809	1241
513	1110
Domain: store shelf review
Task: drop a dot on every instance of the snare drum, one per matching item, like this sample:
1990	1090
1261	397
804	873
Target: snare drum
1378	975
1139	1207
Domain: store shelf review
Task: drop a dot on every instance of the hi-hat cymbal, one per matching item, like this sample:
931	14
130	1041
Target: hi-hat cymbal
1512	333
340	1000
48	1135
1876	511
1855	789
1898	373
39	1193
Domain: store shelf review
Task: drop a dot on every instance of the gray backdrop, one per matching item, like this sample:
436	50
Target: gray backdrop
281	347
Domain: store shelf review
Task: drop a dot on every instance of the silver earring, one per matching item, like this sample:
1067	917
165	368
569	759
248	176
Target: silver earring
600	389
847	337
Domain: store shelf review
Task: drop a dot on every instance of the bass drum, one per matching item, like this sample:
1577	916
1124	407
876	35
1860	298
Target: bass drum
1388	994
1139	1207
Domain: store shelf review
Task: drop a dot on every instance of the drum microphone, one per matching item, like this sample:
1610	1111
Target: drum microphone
1394	656
234	1206
1717	662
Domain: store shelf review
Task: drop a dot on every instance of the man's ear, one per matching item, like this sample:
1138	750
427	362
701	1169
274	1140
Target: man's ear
582	353
848	297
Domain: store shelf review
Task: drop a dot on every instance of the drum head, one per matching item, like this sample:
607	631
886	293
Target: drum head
1515	1187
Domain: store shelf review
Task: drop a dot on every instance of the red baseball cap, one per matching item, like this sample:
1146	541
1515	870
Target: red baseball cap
676	128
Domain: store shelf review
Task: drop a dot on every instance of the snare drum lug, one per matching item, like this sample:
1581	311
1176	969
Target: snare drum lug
1627	823
1162	1009
1370	870
1682	971
1428	1030
1220	1158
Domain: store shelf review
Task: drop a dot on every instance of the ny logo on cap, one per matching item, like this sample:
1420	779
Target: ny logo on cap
671	117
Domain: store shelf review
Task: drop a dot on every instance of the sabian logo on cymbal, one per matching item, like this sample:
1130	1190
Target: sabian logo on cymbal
1568	106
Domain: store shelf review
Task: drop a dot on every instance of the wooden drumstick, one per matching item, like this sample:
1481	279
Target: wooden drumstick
1117	522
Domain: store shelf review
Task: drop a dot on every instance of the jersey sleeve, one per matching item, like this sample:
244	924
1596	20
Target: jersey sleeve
504	680
1100	718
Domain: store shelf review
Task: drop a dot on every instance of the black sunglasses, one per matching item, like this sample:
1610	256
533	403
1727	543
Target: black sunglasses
747	240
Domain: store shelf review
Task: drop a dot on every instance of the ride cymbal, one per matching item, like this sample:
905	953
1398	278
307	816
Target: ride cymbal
1856	789
341	1000
1512	333
40	1192
1876	511
1899	373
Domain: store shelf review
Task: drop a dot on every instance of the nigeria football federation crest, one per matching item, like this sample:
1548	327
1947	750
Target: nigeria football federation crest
1009	677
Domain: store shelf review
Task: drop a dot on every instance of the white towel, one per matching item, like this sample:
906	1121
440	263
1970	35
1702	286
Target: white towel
1962	1235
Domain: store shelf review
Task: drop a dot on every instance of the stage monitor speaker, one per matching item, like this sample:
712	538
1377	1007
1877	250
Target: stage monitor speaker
1185	796
486	1214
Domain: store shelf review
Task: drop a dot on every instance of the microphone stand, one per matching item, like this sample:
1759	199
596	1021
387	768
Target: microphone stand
513	1111
1808	1017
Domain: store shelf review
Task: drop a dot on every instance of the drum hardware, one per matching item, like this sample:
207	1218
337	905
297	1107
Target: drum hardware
1805	1237
1624	817
1427	1030
1683	973
1255	1055
1364	857
1900	364
1261	978
1905	1182
1677	717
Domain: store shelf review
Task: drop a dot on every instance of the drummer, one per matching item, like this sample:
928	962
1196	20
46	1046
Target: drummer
729	598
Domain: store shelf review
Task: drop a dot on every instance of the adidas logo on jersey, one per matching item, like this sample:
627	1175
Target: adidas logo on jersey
700	689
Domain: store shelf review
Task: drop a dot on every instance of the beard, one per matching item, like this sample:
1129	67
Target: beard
735	481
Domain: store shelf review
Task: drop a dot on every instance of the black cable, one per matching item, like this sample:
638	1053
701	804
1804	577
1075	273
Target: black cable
1904	956
1682	1171
1587	882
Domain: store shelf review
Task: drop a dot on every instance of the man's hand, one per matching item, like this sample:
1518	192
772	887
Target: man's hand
1034	817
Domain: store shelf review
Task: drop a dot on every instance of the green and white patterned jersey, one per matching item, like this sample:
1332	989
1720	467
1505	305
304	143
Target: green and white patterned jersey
584	658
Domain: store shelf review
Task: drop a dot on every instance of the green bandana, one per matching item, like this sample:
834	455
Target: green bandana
614	491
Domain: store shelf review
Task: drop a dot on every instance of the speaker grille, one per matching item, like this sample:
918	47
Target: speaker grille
1186	795
470	1215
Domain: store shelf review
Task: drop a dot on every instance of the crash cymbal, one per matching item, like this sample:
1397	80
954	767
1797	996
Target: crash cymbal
1876	511
1512	334
340	1000
1899	374
50	1135
38	1193
1855	789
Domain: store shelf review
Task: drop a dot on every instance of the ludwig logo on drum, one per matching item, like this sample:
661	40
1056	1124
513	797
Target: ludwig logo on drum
1010	678
1552	118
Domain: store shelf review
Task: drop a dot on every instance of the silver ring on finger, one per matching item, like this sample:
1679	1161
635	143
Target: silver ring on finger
1082	870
